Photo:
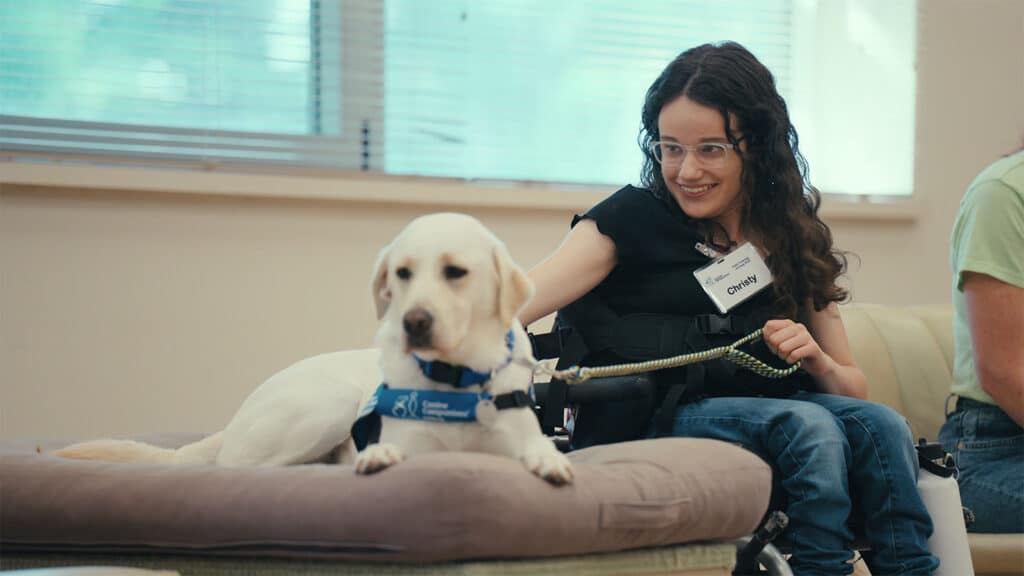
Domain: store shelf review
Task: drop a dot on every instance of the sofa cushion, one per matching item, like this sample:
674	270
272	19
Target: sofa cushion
429	508
906	355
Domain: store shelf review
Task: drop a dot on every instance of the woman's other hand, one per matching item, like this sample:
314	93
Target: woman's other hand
822	348
792	342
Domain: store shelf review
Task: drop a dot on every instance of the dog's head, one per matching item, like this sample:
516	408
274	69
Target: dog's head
443	280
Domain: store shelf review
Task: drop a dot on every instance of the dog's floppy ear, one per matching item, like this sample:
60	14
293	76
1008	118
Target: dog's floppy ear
514	287
379	286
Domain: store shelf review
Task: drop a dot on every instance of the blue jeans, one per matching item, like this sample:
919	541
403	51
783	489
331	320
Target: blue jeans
988	447
830	453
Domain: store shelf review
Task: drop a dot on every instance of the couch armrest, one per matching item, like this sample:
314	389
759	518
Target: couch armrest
906	355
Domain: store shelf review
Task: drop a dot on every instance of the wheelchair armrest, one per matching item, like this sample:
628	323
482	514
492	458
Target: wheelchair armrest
598	389
553	397
609	388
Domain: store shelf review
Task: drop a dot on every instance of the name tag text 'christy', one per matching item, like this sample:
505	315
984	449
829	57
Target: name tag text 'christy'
734	277
750	280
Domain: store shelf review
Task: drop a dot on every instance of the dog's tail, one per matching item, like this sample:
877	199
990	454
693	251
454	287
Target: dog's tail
202	452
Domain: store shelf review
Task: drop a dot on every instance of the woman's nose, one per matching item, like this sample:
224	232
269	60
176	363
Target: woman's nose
689	168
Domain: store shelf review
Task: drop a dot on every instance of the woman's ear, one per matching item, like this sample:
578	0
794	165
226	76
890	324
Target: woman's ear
514	287
379	287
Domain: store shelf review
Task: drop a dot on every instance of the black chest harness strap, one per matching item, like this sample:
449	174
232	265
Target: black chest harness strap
649	339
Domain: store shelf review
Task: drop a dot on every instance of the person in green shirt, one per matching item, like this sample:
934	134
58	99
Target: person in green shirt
984	432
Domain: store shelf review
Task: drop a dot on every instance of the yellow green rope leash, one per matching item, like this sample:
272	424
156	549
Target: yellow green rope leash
578	374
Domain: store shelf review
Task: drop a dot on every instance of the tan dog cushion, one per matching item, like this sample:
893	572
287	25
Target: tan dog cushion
429	508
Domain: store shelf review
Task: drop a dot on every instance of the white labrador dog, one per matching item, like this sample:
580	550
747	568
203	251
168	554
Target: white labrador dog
447	292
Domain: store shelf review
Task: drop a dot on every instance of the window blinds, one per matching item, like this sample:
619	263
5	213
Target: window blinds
207	80
541	90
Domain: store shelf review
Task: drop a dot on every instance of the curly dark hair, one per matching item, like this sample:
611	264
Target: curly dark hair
780	205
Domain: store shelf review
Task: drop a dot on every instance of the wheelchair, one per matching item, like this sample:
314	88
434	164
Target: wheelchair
756	555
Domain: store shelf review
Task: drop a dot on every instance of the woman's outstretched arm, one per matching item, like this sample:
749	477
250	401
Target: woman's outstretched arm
581	262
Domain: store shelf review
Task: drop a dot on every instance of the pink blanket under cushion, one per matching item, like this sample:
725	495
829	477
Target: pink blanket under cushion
436	507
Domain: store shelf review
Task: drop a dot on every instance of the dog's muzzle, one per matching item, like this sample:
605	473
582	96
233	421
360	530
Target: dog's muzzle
418	325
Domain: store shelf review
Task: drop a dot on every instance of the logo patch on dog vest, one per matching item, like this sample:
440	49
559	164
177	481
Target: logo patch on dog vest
434	405
427	404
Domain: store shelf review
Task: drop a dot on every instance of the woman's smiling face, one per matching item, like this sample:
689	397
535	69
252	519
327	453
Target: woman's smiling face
707	191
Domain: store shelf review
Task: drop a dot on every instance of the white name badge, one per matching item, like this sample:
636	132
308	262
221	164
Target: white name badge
734	277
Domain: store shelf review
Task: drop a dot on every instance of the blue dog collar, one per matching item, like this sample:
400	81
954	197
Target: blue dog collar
461	376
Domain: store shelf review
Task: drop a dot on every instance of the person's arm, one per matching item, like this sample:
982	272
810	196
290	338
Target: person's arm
580	263
823	349
995	316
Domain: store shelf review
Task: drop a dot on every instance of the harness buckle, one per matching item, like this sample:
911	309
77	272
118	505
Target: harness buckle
715	324
549	345
446	373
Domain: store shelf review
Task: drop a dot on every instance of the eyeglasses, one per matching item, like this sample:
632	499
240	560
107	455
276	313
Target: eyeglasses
672	153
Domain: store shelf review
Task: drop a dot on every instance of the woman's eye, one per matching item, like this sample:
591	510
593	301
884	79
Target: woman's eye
711	150
403	273
454	272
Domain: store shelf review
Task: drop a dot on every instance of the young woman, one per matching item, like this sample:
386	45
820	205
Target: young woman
723	176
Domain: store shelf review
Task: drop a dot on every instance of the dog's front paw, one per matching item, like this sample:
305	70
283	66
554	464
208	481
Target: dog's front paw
544	460
377	457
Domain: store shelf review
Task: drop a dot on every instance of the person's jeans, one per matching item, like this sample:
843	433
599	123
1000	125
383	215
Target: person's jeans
830	453
988	447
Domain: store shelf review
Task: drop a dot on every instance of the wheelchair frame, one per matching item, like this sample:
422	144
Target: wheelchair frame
755	554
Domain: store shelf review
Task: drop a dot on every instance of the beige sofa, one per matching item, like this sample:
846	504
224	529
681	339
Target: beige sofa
907	355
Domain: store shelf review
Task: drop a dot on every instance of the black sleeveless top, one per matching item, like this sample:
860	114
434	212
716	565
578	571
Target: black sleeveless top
656	248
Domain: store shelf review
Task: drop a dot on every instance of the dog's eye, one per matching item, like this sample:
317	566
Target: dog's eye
454	272
404	273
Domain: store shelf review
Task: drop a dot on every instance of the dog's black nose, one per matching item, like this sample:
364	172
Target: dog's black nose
417	323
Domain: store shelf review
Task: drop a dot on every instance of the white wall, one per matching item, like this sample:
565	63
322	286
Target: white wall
970	111
133	311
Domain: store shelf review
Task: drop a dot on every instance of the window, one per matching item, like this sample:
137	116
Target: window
544	90
473	89
853	93
208	80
